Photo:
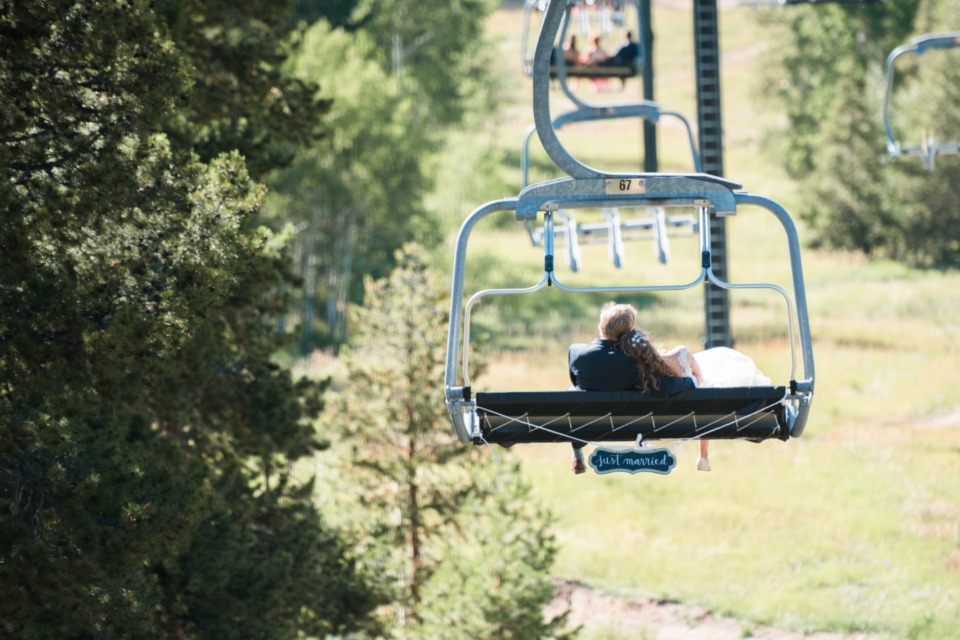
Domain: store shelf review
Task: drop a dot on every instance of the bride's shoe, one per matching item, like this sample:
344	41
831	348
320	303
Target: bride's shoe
703	464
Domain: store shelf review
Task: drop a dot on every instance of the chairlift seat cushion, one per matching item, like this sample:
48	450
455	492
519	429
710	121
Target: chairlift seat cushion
751	413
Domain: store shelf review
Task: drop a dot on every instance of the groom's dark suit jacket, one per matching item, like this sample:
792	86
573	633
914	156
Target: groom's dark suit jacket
597	366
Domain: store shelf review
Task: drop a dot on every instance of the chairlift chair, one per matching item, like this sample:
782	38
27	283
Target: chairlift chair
930	147
512	417
587	12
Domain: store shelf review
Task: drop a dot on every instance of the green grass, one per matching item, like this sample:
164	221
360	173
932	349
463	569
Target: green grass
853	527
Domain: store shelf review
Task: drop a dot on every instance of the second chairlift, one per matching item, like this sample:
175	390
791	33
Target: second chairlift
592	16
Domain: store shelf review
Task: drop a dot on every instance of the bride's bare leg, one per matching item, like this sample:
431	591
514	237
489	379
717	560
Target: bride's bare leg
703	464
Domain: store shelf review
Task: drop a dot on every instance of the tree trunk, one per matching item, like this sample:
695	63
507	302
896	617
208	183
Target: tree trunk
415	565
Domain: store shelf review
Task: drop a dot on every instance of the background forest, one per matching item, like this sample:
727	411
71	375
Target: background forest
223	245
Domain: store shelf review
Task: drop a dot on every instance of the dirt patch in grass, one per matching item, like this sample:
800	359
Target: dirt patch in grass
653	619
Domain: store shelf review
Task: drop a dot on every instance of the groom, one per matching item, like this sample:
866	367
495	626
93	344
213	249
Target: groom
600	366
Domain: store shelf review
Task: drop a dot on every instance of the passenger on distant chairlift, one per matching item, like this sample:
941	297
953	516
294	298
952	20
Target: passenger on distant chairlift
593	57
626	54
595	54
571	55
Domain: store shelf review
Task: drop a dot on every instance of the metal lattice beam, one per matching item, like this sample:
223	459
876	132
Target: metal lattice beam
707	52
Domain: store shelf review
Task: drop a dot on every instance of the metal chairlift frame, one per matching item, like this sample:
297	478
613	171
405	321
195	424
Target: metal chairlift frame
576	417
930	147
754	413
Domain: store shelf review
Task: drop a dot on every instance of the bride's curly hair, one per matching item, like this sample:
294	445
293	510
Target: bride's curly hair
650	364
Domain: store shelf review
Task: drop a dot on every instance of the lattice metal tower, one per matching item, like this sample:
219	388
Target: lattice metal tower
707	52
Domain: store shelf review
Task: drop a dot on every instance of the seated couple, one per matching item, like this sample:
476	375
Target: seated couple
623	358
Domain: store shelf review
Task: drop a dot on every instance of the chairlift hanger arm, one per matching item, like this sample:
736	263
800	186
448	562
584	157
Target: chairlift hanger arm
645	109
553	18
545	126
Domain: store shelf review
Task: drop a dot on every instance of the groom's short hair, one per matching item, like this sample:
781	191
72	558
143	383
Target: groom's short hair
616	320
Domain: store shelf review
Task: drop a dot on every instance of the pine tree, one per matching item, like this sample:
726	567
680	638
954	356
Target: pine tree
417	494
147	441
492	580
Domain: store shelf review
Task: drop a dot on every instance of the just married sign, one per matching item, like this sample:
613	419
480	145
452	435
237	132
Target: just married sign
632	460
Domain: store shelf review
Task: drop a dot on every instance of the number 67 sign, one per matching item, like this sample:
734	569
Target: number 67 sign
625	185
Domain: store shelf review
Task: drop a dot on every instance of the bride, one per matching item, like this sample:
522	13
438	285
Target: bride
715	367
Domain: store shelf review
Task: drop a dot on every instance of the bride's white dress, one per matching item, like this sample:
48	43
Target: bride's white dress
724	367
